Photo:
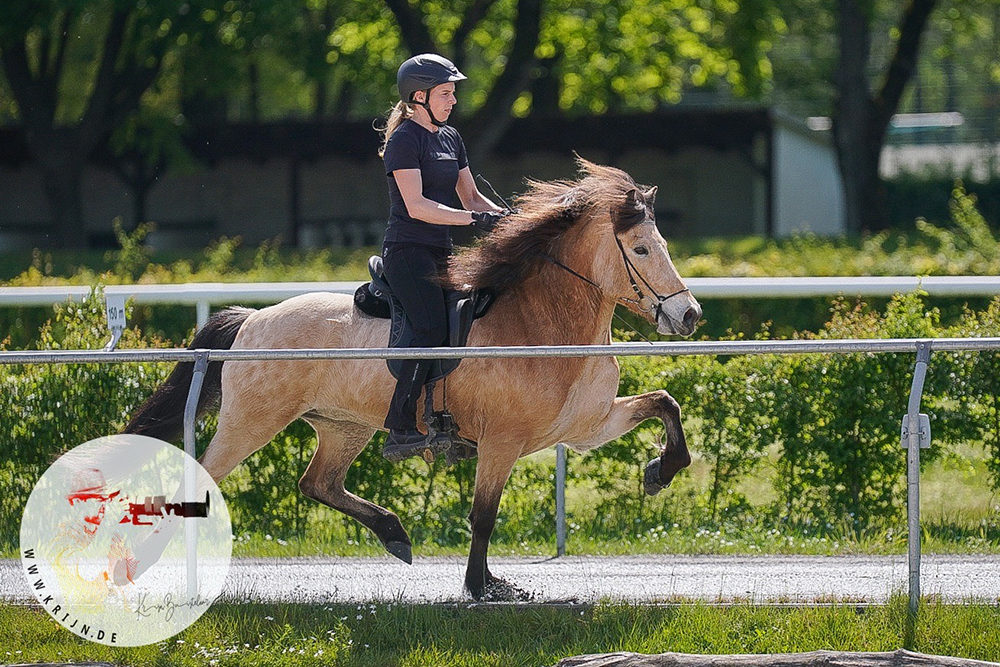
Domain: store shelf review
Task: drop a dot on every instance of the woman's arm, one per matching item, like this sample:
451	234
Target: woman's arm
472	198
411	188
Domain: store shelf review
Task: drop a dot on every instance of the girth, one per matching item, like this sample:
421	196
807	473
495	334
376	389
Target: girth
376	299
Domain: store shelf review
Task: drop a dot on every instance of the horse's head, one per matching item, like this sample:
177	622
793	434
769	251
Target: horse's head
646	280
602	224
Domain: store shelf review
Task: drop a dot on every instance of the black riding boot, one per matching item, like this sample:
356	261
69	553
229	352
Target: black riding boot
402	443
410	271
404	439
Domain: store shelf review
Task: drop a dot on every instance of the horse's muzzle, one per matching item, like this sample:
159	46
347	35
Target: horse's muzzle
675	321
690	320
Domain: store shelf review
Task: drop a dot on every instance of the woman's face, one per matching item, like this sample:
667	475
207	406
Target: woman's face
441	100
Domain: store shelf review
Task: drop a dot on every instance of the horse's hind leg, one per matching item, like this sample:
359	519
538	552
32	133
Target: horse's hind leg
242	431
340	442
244	427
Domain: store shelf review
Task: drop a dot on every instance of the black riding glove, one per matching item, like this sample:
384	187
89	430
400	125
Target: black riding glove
485	220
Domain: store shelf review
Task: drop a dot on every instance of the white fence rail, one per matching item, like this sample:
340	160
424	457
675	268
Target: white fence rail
915	433
204	295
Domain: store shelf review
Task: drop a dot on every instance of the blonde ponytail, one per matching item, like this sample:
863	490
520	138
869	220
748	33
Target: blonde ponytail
397	115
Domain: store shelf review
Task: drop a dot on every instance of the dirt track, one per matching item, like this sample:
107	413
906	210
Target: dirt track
648	579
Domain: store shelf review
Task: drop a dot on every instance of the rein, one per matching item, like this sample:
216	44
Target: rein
585	279
629	268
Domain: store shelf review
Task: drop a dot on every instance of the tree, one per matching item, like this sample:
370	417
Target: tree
960	70
140	151
890	58
592	56
861	116
77	69
492	117
640	55
341	48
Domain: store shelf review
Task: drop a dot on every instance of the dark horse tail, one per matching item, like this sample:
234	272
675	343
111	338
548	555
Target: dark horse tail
162	415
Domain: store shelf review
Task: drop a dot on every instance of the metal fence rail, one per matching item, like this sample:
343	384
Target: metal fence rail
655	349
915	433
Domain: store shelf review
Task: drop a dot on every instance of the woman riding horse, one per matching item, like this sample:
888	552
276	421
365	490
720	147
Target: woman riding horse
558	267
425	165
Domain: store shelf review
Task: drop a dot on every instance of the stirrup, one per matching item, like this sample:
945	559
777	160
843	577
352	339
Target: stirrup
424	446
442	434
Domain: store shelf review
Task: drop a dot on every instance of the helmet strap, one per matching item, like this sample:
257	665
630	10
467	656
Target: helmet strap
426	105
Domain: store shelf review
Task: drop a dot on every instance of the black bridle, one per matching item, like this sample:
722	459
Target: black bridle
657	308
660	299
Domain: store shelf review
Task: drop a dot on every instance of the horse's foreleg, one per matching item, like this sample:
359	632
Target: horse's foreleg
628	412
340	442
492	471
675	455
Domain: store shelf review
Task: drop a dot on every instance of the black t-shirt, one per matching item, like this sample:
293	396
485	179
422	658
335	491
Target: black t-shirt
439	156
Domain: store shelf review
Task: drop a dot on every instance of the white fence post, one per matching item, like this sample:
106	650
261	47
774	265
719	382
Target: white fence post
201	313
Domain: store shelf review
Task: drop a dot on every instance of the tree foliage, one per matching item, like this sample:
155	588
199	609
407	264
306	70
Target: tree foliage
77	73
77	70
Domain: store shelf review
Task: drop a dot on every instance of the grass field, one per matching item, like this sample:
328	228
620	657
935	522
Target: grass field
414	636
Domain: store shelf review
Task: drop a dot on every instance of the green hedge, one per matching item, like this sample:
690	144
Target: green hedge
824	428
914	196
829	423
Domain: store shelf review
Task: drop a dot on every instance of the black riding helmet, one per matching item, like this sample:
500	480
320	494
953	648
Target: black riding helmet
423	72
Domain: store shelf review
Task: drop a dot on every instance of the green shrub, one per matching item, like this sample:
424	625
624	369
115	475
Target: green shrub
913	196
958	242
846	463
826	425
46	409
976	378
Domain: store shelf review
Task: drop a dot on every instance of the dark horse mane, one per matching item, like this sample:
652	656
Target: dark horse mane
516	248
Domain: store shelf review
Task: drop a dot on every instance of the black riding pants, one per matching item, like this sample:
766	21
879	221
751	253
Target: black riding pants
409	269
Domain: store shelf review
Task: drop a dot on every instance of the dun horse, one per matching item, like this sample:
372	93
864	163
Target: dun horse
557	267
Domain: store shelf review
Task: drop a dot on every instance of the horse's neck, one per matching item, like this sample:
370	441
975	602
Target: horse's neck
554	307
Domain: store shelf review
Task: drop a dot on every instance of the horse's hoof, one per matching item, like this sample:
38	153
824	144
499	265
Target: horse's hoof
651	478
401	550
499	590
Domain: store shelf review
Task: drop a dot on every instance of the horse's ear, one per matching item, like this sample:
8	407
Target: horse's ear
650	196
632	211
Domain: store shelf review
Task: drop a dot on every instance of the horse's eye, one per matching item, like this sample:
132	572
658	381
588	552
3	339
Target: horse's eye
640	250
